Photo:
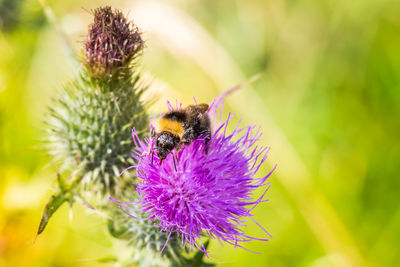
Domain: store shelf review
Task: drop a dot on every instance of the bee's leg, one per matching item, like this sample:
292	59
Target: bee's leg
207	144
161	160
173	158
178	147
151	146
175	154
151	151
207	138
204	129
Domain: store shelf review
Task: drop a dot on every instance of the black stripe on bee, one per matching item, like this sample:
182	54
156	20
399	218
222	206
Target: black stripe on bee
176	115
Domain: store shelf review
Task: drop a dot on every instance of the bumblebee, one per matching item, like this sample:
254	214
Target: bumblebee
181	127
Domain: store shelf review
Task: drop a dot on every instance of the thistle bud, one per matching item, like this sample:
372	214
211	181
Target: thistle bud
112	43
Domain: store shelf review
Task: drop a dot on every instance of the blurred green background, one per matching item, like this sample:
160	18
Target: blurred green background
328	102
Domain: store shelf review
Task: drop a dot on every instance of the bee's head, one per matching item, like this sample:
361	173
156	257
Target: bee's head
166	141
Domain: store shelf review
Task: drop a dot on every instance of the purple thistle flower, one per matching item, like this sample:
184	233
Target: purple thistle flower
209	194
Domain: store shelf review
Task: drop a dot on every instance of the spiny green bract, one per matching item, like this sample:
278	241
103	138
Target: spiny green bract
145	237
147	241
91	127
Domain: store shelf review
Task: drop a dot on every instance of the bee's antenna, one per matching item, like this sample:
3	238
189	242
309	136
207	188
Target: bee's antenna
152	156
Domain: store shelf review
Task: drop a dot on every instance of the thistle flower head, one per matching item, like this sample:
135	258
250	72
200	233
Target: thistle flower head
112	43
210	191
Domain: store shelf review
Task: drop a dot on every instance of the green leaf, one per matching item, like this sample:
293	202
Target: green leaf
54	203
196	260
116	231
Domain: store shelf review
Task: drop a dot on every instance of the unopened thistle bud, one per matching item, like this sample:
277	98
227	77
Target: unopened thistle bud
112	43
